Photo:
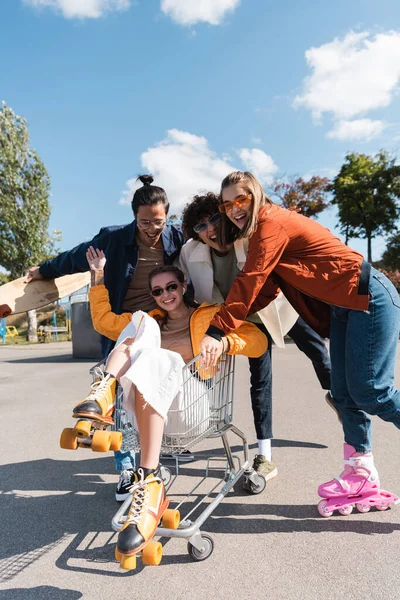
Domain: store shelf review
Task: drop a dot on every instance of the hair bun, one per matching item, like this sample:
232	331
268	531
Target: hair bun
146	179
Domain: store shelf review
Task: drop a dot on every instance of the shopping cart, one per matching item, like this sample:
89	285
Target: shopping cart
205	410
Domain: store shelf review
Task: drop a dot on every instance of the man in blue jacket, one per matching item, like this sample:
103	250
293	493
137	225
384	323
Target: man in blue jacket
132	251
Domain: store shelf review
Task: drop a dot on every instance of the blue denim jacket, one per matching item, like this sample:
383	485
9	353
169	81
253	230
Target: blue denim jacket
122	253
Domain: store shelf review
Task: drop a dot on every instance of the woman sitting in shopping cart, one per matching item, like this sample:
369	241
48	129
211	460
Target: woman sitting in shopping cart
149	357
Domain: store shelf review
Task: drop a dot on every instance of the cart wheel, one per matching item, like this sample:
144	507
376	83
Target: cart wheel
152	553
83	429
171	519
101	441
116	440
128	562
166	475
68	439
255	488
208	548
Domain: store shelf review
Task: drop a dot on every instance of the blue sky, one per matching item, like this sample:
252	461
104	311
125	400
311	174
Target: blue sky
190	89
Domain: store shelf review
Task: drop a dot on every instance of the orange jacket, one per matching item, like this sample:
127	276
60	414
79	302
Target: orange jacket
313	268
247	340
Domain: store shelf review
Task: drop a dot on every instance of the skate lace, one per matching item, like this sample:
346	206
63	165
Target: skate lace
98	386
140	491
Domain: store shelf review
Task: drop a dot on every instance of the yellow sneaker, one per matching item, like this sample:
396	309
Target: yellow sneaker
147	507
100	403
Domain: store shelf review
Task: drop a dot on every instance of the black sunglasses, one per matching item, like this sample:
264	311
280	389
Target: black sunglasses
171	287
214	220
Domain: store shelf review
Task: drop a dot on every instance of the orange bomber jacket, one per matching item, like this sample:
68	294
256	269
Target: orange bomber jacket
311	266
247	340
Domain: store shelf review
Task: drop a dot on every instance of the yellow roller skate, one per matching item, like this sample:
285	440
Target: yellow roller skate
94	415
148	506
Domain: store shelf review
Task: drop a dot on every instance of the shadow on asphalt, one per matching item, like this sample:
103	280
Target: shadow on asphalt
53	503
57	358
44	592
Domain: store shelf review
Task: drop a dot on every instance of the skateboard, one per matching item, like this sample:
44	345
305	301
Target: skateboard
18	296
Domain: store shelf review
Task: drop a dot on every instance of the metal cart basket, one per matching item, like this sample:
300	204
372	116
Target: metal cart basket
204	409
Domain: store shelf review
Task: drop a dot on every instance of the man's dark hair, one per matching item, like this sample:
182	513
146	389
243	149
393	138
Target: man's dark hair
148	194
200	207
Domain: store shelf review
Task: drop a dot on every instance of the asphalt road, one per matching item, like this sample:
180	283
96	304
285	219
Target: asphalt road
56	542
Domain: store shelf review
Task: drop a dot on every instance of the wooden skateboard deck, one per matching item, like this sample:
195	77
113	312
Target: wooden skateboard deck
18	296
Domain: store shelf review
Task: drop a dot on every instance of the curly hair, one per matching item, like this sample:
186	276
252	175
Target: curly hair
201	206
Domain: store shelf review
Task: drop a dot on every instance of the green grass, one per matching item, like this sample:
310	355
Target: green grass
20	340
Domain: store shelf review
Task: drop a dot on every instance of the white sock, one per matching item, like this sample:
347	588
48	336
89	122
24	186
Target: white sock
264	448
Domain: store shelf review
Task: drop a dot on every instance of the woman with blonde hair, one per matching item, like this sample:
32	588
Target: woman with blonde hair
340	296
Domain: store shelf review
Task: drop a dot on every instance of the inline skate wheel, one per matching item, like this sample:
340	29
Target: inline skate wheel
208	548
116	440
323	511
382	506
346	510
363	508
255	487
128	563
68	439
152	553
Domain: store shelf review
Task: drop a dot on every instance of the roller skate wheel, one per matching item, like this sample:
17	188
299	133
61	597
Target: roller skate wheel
128	563
116	440
118	555
152	553
205	552
83	429
101	441
363	508
382	506
171	518
346	510
68	439
323	511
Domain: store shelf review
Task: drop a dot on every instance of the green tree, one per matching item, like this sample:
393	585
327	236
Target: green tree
391	256
24	202
308	197
366	192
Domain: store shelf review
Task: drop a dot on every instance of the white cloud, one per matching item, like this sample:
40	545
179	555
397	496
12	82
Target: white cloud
362	130
189	12
183	164
352	76
81	9
256	140
259	163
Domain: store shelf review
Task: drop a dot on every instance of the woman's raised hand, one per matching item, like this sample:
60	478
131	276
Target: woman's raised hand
95	258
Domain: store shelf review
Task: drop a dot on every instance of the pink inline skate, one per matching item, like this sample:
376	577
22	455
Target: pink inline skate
358	485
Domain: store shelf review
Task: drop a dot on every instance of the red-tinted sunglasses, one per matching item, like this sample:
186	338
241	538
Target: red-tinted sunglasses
239	202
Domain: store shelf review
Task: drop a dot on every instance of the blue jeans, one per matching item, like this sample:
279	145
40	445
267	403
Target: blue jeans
313	346
363	347
124	460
